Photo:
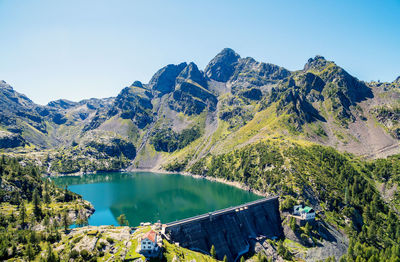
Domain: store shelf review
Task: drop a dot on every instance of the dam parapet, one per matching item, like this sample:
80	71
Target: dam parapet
229	230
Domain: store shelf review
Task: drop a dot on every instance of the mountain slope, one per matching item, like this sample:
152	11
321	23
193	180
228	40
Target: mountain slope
243	121
234	102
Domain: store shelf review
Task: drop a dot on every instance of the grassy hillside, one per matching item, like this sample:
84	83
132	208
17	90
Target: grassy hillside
33	210
340	186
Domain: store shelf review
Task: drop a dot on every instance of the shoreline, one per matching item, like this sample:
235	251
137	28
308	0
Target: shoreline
164	172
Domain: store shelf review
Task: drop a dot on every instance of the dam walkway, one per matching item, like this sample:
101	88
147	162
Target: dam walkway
221	211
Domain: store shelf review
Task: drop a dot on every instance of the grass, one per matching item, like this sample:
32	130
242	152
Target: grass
7	209
131	254
171	251
294	246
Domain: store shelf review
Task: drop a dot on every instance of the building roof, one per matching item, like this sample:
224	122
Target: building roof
307	209
151	235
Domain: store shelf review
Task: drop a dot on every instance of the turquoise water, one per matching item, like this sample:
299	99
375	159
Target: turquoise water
148	197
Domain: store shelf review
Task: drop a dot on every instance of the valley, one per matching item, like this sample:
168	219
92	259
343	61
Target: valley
316	136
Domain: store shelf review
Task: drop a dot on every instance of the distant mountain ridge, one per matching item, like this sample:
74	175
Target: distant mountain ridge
233	102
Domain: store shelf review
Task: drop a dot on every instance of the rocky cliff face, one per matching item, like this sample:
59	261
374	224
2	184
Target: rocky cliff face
15	107
222	66
164	80
234	101
10	140
191	95
134	103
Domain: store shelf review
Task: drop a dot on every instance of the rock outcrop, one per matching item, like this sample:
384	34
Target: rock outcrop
62	104
222	66
164	80
10	140
191	95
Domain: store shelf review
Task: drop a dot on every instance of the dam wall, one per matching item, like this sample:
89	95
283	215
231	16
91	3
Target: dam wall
230	230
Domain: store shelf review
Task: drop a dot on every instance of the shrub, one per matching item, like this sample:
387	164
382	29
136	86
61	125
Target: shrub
110	240
85	254
76	240
74	254
101	245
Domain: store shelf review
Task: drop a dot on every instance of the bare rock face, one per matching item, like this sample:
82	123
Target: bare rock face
164	80
222	66
62	103
249	73
193	73
113	147
134	103
15	106
10	140
191	95
316	63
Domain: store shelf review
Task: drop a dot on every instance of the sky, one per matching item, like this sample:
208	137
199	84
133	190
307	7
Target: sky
76	49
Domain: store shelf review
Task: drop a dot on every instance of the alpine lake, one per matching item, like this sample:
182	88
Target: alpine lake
149	197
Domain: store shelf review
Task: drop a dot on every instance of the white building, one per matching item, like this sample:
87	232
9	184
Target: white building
306	213
148	243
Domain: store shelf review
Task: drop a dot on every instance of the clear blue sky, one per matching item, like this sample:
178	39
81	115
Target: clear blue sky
78	49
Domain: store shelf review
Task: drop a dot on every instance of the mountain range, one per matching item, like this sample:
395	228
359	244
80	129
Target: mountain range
185	114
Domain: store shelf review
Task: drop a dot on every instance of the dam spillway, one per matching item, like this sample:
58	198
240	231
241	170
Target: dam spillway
230	230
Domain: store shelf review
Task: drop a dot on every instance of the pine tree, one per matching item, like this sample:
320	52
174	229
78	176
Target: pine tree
65	221
82	220
307	229
50	257
29	252
122	220
66	194
46	222
213	252
293	224
36	207
22	213
46	196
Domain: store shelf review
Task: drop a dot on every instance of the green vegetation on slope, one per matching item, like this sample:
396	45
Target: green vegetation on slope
167	140
32	211
390	118
341	186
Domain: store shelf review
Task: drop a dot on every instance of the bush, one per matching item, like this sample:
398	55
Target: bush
110	240
101	245
74	254
85	254
168	140
76	240
288	203
304	236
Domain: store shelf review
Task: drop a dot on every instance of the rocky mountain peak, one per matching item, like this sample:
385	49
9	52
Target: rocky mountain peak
192	72
62	104
164	80
222	66
397	81
137	84
316	63
4	85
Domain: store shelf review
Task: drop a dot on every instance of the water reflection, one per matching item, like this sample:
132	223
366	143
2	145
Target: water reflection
146	196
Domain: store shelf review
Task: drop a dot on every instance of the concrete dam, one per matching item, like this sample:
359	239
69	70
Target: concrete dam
230	230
